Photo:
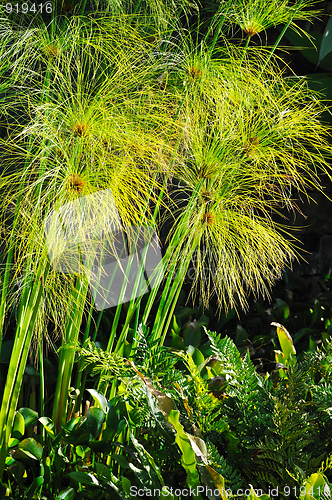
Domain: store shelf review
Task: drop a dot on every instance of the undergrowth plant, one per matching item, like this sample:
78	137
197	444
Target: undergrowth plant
216	425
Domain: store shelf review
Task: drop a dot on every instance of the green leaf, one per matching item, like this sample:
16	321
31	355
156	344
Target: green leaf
19	426
112	419
126	485
183	312
279	357
31	448
100	398
219	482
282	309
35	485
310	47
30	416
304	332
94	421
13	442
68	494
103	472
106	324
148	463
142	476
177	341
121	460
176	327
71	424
108	434
261	311
225	318
80	451
198	357
316	313
286	342
121	426
314	484
326	45
312	344
48	425
193	337
188	455
100	446
84	478
10	461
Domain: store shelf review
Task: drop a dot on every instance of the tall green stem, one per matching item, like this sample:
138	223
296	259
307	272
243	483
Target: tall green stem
285	28
23	336
66	361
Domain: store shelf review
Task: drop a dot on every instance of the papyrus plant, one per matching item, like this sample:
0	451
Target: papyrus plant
89	129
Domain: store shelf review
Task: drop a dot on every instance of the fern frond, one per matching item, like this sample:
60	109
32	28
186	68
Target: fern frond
232	477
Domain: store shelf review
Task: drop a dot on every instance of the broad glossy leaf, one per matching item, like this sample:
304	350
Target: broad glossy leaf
100	398
312	345
72	424
279	357
285	340
188	454
48	425
143	477
13	442
177	341
35	486
108	434
225	318
103	472
193	337
80	451
79	436
10	460
314	484
94	421
126	485
282	310
326	45
310	47
121	426
112	419
219	482
98	446
84	478
183	312
304	332
31	448
19	426
68	494
198	357
176	327
30	416
121	460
